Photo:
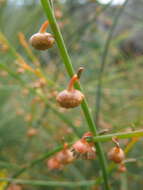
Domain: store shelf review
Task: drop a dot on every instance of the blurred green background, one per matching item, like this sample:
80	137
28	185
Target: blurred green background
85	25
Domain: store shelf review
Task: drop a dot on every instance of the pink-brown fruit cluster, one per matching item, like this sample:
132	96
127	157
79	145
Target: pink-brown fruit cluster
60	159
83	149
71	97
116	154
42	40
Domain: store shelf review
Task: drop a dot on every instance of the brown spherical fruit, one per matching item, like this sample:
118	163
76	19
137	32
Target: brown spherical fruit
70	99
42	41
116	154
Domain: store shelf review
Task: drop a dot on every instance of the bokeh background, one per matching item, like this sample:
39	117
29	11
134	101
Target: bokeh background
85	25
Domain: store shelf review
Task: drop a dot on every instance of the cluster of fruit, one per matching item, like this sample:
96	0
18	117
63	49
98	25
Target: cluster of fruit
71	98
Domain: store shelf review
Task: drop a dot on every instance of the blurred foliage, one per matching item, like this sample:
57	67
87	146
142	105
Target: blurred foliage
85	26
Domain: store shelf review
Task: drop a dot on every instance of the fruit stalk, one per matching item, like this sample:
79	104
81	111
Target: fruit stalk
44	27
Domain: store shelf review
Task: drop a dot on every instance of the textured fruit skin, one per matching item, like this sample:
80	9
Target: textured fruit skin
42	41
70	99
116	154
83	149
81	146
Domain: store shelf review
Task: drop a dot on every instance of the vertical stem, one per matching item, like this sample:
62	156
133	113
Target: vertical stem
67	62
104	61
124	182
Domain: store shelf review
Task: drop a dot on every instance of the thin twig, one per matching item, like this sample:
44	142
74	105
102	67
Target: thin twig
70	184
104	61
124	135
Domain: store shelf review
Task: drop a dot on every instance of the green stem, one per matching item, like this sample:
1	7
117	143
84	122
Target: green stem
34	162
124	181
71	72
104	61
103	138
50	183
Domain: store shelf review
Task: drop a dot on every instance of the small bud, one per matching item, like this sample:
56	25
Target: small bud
28	117
122	168
25	91
20	70
3	73
32	132
20	112
42	40
39	83
116	154
58	13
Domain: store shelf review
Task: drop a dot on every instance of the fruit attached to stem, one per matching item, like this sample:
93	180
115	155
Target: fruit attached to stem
42	40
71	97
116	154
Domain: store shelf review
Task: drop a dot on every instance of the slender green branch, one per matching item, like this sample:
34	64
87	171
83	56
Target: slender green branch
103	138
50	183
34	162
67	62
8	165
124	182
82	29
104	61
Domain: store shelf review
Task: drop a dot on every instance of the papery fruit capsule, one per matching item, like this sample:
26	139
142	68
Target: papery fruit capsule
71	97
116	154
84	149
81	146
42	40
65	156
60	159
